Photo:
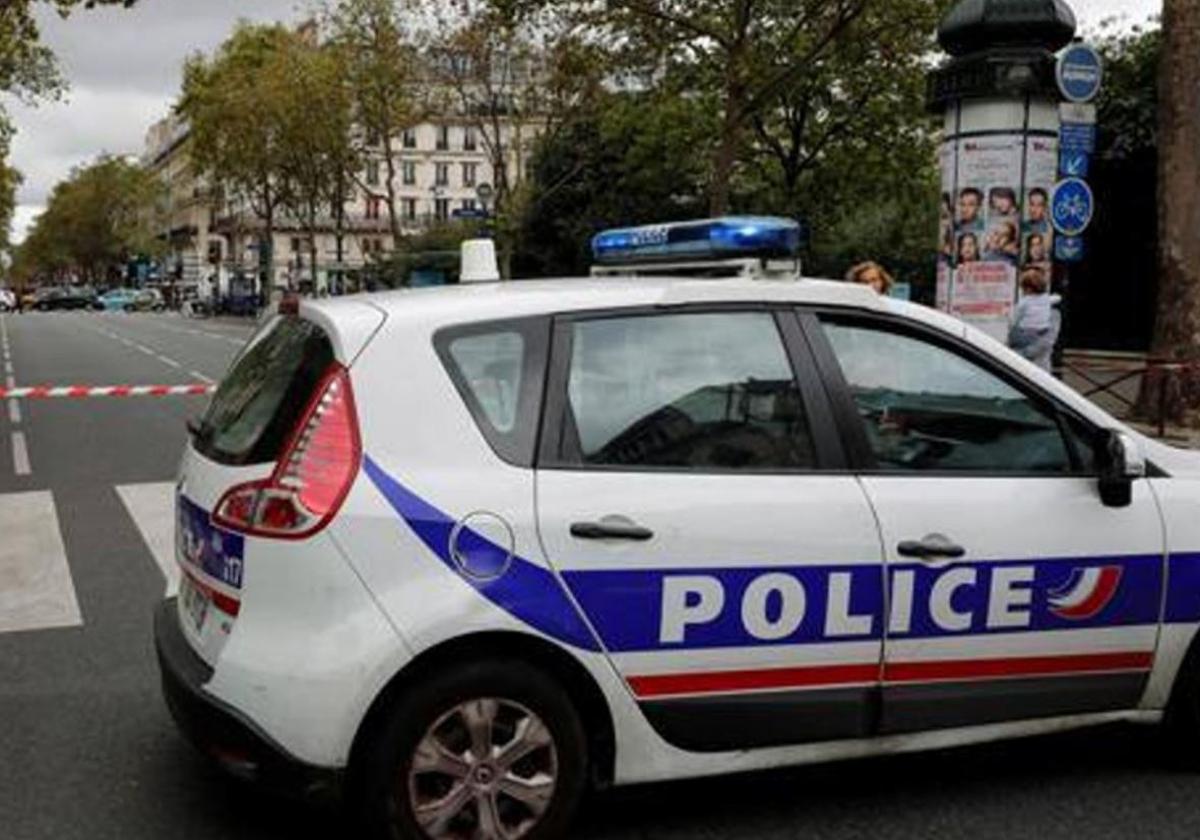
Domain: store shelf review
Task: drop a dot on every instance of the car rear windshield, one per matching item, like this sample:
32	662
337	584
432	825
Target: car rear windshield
262	397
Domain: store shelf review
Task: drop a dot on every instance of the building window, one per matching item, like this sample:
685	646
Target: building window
468	139
373	205
468	204
410	209
409	171
441	209
442	175
372	173
443	138
469	171
297	245
409	138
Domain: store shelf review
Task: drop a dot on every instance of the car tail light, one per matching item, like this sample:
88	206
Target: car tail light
313	475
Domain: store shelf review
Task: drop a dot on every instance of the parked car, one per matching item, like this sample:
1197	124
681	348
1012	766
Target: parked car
147	300
56	298
118	300
8	300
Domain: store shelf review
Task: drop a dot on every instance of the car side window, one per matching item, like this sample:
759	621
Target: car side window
928	408
499	371
685	391
490	364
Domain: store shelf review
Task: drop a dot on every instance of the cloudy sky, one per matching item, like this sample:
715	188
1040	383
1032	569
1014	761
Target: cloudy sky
124	69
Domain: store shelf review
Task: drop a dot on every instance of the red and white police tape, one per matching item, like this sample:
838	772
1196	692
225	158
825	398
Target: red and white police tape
49	392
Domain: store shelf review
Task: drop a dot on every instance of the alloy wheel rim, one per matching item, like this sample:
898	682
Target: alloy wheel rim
485	770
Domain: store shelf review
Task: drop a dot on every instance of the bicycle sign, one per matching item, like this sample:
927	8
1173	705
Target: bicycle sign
1072	207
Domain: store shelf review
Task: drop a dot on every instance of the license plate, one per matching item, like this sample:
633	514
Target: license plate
195	604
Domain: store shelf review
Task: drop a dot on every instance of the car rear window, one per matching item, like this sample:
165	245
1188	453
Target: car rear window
262	397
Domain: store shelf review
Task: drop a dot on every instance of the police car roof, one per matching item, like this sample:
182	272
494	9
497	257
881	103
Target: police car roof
487	301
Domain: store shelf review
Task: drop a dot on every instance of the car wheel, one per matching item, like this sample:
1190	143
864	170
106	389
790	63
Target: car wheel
482	750
1181	722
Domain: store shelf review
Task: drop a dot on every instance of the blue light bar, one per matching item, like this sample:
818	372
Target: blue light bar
730	237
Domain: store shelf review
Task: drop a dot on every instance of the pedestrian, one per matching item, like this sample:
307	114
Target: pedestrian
1036	321
871	274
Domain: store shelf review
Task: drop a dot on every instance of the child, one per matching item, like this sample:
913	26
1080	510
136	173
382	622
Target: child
1036	322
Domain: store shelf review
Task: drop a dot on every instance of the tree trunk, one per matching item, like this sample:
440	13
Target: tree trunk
1177	325
389	179
729	143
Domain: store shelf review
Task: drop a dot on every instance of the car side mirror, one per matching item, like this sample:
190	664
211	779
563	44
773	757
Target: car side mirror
1120	463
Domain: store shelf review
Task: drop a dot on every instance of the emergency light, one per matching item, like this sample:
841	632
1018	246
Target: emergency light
730	237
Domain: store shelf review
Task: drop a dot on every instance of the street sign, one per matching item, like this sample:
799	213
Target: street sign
1076	137
485	192
1080	72
1072	206
469	213
1077	112
1072	164
1068	249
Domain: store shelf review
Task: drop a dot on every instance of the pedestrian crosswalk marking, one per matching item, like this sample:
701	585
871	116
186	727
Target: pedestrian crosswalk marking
152	509
36	590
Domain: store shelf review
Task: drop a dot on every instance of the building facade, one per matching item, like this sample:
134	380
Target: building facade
442	167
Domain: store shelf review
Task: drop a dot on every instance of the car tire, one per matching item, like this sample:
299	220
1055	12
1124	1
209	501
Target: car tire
1181	721
401	801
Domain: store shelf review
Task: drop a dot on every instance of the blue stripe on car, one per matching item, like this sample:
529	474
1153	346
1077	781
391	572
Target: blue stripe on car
526	591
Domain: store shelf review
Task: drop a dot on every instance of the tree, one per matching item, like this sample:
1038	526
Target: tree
29	72
315	129
633	159
381	67
10	181
1177	326
95	221
744	53
235	110
514	71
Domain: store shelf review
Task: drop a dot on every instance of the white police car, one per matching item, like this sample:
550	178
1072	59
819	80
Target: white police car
465	551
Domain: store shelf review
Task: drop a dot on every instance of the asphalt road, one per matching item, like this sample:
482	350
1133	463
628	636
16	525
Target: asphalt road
87	749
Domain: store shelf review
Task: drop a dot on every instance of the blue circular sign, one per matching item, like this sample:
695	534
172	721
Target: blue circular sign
1072	207
1080	72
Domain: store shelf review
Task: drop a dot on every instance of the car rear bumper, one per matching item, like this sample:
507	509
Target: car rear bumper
220	731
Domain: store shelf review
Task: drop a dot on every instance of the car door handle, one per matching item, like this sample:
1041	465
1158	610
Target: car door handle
611	528
932	547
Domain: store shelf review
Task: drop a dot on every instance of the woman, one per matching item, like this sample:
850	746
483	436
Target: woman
871	274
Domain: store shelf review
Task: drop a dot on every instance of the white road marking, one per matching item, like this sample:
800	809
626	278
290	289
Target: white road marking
36	591
142	348
195	374
167	361
20	454
14	412
152	508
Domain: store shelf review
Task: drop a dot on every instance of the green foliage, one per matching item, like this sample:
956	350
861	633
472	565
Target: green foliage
95	221
845	144
380	66
763	61
635	158
233	103
516	71
28	72
1128	101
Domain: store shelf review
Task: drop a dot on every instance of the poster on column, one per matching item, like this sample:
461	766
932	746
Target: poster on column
987	229
1037	234
946	161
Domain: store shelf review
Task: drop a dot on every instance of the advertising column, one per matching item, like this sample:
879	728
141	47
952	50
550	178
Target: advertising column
998	173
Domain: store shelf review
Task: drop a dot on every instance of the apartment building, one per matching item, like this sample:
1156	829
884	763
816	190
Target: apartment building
440	167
